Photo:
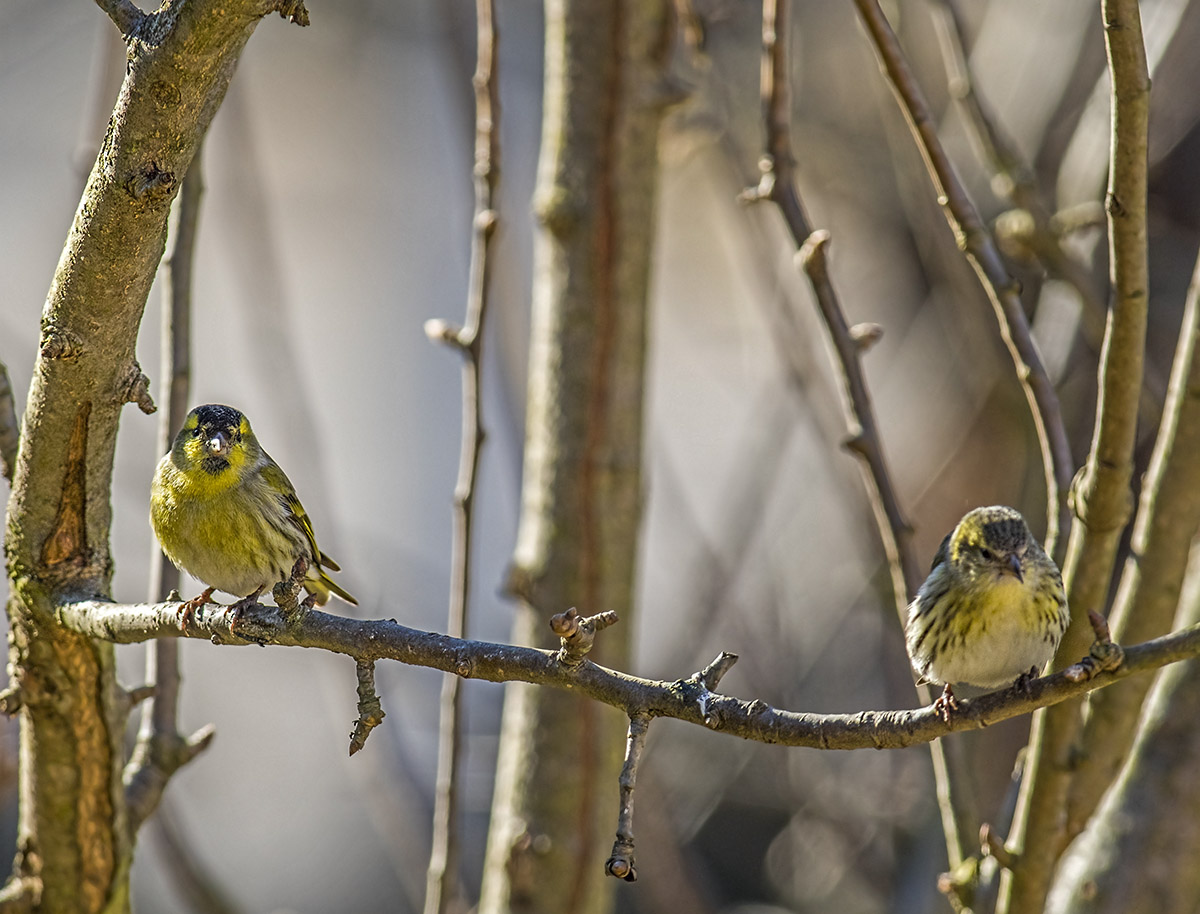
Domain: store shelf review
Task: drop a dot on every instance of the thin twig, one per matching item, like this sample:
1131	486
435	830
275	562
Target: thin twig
993	845
442	893
1036	230
10	427
160	747
1102	499
124	14
710	677
685	700
980	249
621	861
1144	607
370	709
778	184
151	766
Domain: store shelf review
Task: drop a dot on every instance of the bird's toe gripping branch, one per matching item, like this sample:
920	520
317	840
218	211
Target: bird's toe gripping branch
578	633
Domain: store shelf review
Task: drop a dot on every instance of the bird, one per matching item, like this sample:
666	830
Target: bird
992	610
224	512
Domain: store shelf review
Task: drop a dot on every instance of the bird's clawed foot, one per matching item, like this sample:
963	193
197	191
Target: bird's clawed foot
188	609
946	704
234	610
1023	684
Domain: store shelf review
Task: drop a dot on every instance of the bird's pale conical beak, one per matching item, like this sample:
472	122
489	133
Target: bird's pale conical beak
1014	565
218	445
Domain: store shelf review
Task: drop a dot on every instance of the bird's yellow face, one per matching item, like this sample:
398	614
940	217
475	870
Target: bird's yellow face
214	447
993	544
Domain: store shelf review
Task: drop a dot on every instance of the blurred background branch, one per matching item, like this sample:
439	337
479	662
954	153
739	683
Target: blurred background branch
160	745
443	893
10	427
980	249
960	815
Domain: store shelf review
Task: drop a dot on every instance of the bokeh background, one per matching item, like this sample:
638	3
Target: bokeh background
336	220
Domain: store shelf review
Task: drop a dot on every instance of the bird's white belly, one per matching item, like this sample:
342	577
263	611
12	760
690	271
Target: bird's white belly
995	655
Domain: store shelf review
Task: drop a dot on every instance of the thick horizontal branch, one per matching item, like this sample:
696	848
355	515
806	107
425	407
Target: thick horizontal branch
686	700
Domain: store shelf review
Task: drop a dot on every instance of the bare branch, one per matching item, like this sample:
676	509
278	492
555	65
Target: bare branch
621	863
710	677
160	746
370	710
151	766
980	249
1101	498
993	845
138	694
1031	227
124	14
443	881
293	11
1012	178
137	390
686	700
10	427
778	184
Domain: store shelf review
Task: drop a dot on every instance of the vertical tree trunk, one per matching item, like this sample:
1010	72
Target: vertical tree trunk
1138	852
554	813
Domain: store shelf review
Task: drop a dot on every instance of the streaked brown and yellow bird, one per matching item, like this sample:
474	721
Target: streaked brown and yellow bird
225	513
993	608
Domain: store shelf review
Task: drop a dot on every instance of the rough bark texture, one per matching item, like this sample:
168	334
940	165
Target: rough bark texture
1138	853
556	794
73	833
1154	573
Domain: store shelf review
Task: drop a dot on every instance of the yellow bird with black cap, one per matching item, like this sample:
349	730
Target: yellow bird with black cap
225	513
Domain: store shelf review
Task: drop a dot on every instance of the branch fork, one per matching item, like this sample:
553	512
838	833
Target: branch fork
992	845
701	685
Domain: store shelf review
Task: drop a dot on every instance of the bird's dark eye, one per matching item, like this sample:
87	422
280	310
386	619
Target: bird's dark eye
987	554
